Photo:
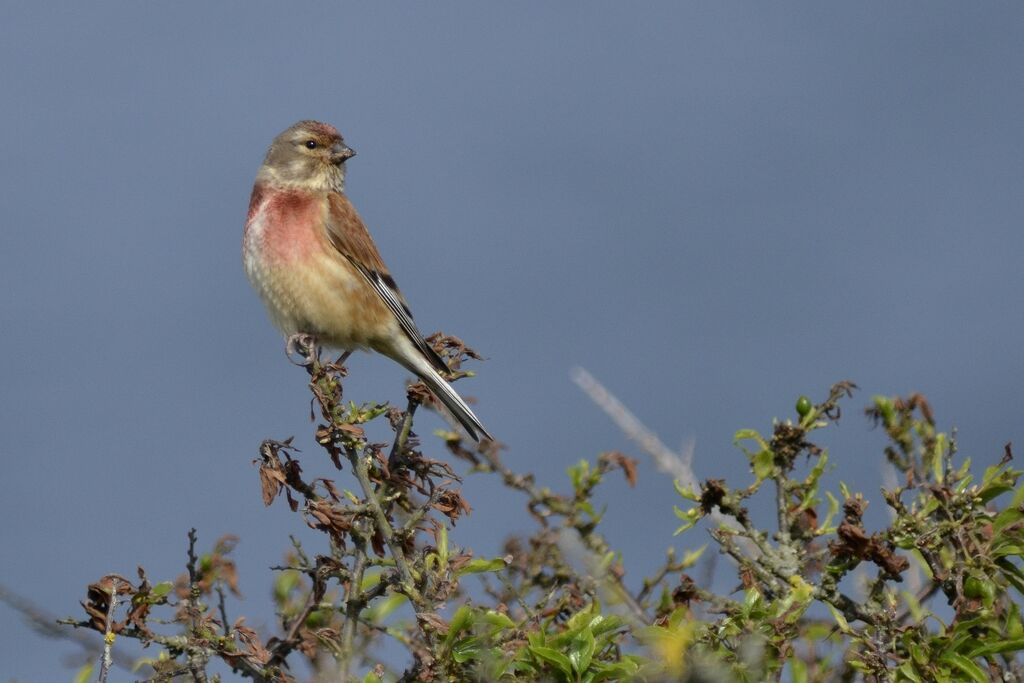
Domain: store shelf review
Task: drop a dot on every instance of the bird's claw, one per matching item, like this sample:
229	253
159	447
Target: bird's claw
301	349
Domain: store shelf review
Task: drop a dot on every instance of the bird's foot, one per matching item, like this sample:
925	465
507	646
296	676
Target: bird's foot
302	350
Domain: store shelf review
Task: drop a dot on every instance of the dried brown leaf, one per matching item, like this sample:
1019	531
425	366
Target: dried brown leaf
433	622
623	462
253	648
451	504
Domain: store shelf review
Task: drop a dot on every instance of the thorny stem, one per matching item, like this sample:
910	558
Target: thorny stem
519	482
782	509
108	637
402	434
354	601
359	467
297	623
307	349
725	539
197	659
222	607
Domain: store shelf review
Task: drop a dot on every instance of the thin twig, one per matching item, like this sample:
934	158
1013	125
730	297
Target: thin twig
402	434
359	466
670	566
222	607
354	602
108	636
196	659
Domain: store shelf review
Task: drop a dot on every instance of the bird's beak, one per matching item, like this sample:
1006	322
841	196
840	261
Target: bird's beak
341	153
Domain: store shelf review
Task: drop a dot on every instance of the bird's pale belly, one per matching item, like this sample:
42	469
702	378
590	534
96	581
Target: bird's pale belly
319	293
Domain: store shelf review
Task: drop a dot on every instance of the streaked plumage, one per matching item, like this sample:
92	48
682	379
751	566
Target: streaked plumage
312	261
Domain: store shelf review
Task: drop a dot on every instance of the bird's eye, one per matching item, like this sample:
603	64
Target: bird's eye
310	144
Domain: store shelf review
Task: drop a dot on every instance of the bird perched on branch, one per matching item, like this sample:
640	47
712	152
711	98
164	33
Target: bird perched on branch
314	264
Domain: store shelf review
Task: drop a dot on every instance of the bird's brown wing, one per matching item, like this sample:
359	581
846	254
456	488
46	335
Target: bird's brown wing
349	236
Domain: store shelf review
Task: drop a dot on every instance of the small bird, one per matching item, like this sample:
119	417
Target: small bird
312	261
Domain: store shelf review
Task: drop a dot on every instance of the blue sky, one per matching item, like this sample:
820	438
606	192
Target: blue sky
713	208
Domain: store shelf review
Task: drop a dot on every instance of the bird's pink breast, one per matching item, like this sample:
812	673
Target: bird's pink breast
285	225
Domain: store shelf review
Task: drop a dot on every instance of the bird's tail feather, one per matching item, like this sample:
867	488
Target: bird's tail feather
455	405
449	397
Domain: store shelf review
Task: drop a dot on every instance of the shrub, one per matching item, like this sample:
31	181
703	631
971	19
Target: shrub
816	596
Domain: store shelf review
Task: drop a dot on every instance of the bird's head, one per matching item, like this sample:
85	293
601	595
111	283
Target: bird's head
310	155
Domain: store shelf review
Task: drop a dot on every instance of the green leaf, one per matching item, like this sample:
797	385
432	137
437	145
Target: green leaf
799	669
497	664
763	464
938	464
370	579
604	627
371	677
1007	517
908	671
84	674
577	473
535	638
461	620
161	589
381	609
1012	573
1008	549
581	650
554	658
685	491
582	619
283	586
563	639
467	649
624	670
1013	628
442	546
751	601
997	648
993	491
966	666
833	508
498	620
917	653
751	434
885	408
819	468
691	517
691	557
1018	498
841	621
481	565
996	480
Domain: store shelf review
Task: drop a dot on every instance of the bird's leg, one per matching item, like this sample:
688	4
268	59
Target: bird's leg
342	358
301	349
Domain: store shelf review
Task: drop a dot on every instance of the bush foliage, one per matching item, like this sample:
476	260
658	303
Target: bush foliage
811	595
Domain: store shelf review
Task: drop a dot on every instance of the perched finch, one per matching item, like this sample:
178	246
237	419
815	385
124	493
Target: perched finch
314	264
